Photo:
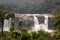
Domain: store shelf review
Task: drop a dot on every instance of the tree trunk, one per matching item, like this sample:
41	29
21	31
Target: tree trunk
2	26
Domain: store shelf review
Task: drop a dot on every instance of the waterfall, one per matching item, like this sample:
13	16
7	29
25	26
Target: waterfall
46	21
36	24
7	24
43	26
46	24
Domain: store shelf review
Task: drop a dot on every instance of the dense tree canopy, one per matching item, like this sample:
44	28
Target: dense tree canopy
56	23
4	15
48	6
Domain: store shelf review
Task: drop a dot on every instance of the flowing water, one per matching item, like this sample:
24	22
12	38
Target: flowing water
36	24
43	26
7	24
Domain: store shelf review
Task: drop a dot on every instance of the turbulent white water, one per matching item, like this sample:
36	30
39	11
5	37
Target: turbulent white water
36	24
7	24
43	26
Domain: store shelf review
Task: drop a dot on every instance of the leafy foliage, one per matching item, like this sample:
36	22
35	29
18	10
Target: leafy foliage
23	35
48	6
56	23
4	15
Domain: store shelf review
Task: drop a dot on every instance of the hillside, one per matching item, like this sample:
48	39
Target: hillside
18	1
22	6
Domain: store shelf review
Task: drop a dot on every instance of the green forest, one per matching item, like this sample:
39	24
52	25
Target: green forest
49	6
23	34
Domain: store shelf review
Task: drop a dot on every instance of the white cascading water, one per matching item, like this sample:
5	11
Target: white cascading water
36	24
43	26
7	24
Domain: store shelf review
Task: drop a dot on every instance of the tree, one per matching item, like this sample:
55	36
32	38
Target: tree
50	6
56	23
42	38
4	15
34	35
20	24
44	35
25	35
12	26
56	36
15	34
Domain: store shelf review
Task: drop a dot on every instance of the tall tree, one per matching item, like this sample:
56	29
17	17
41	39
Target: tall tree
12	26
56	24
5	15
50	6
20	24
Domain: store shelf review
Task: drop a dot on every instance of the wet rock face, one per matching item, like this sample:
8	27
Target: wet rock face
50	23
41	19
28	21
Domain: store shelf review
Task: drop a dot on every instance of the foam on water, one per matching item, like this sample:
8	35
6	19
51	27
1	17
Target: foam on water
43	26
7	23
36	24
